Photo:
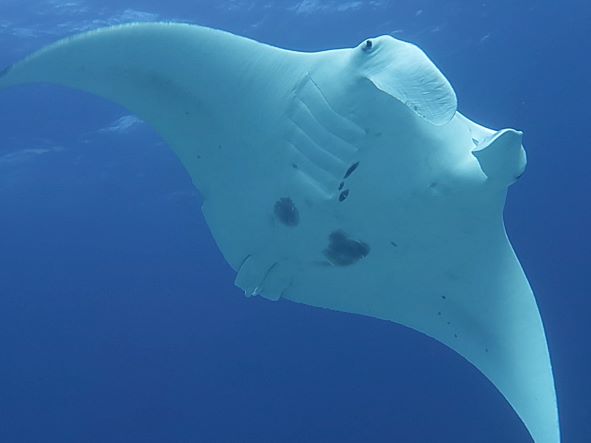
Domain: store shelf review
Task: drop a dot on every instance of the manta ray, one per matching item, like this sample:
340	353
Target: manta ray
344	179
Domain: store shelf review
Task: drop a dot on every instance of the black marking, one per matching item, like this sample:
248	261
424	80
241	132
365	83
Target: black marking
351	170
199	157
286	212
394	244
368	46
443	297
342	251
449	323
439	313
455	335
341	186
344	195
485	349
294	166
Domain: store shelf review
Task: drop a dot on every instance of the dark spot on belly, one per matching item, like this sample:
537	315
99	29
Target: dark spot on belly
344	195
286	212
351	169
341	186
342	251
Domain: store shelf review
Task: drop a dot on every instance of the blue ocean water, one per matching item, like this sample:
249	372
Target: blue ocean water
119	320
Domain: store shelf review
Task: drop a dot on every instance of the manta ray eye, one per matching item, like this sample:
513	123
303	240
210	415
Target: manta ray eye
367	46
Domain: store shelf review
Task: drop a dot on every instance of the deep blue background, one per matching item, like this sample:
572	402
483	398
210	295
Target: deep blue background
119	321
